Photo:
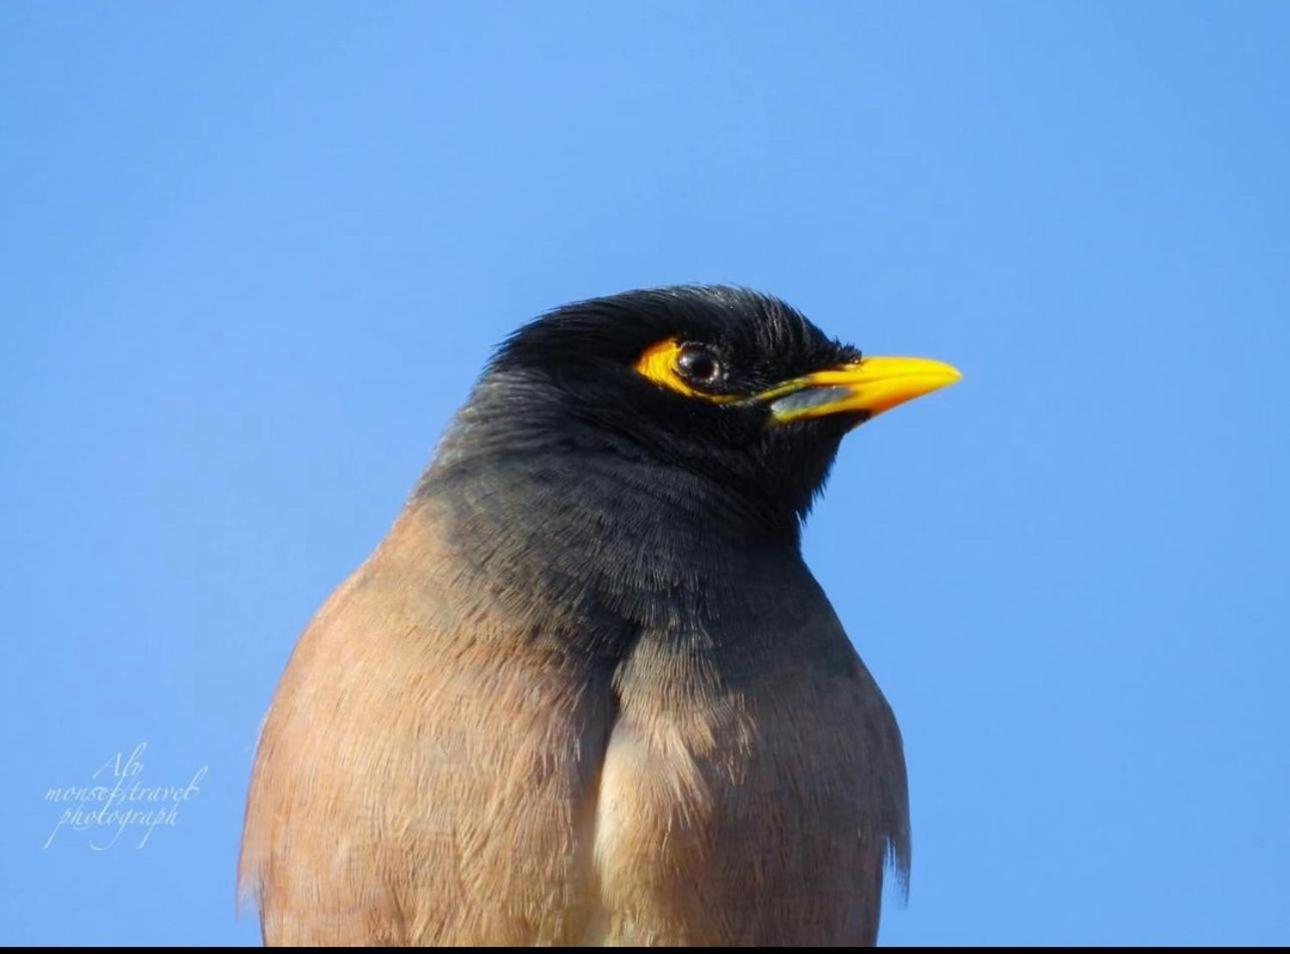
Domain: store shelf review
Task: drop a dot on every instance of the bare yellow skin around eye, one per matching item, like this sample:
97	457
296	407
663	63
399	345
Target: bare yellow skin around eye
658	363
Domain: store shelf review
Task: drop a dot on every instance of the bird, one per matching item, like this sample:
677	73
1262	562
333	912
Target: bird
586	690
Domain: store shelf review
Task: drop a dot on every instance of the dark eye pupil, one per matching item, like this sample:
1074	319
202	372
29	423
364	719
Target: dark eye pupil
698	364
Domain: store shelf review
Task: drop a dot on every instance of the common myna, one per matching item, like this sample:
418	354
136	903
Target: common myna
586	691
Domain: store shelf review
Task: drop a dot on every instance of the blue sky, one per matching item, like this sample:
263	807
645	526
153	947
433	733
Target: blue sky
251	257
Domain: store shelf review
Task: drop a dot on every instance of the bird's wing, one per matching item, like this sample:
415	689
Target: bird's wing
756	800
427	770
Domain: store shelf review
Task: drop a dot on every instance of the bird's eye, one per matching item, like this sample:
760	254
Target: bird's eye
697	363
688	368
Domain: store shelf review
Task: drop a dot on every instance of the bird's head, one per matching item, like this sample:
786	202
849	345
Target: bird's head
734	387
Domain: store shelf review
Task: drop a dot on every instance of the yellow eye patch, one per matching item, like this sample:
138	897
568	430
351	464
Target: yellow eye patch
658	362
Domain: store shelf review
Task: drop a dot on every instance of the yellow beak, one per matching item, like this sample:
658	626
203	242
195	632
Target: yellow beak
871	385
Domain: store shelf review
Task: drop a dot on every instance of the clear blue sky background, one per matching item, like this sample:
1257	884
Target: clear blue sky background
252	256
